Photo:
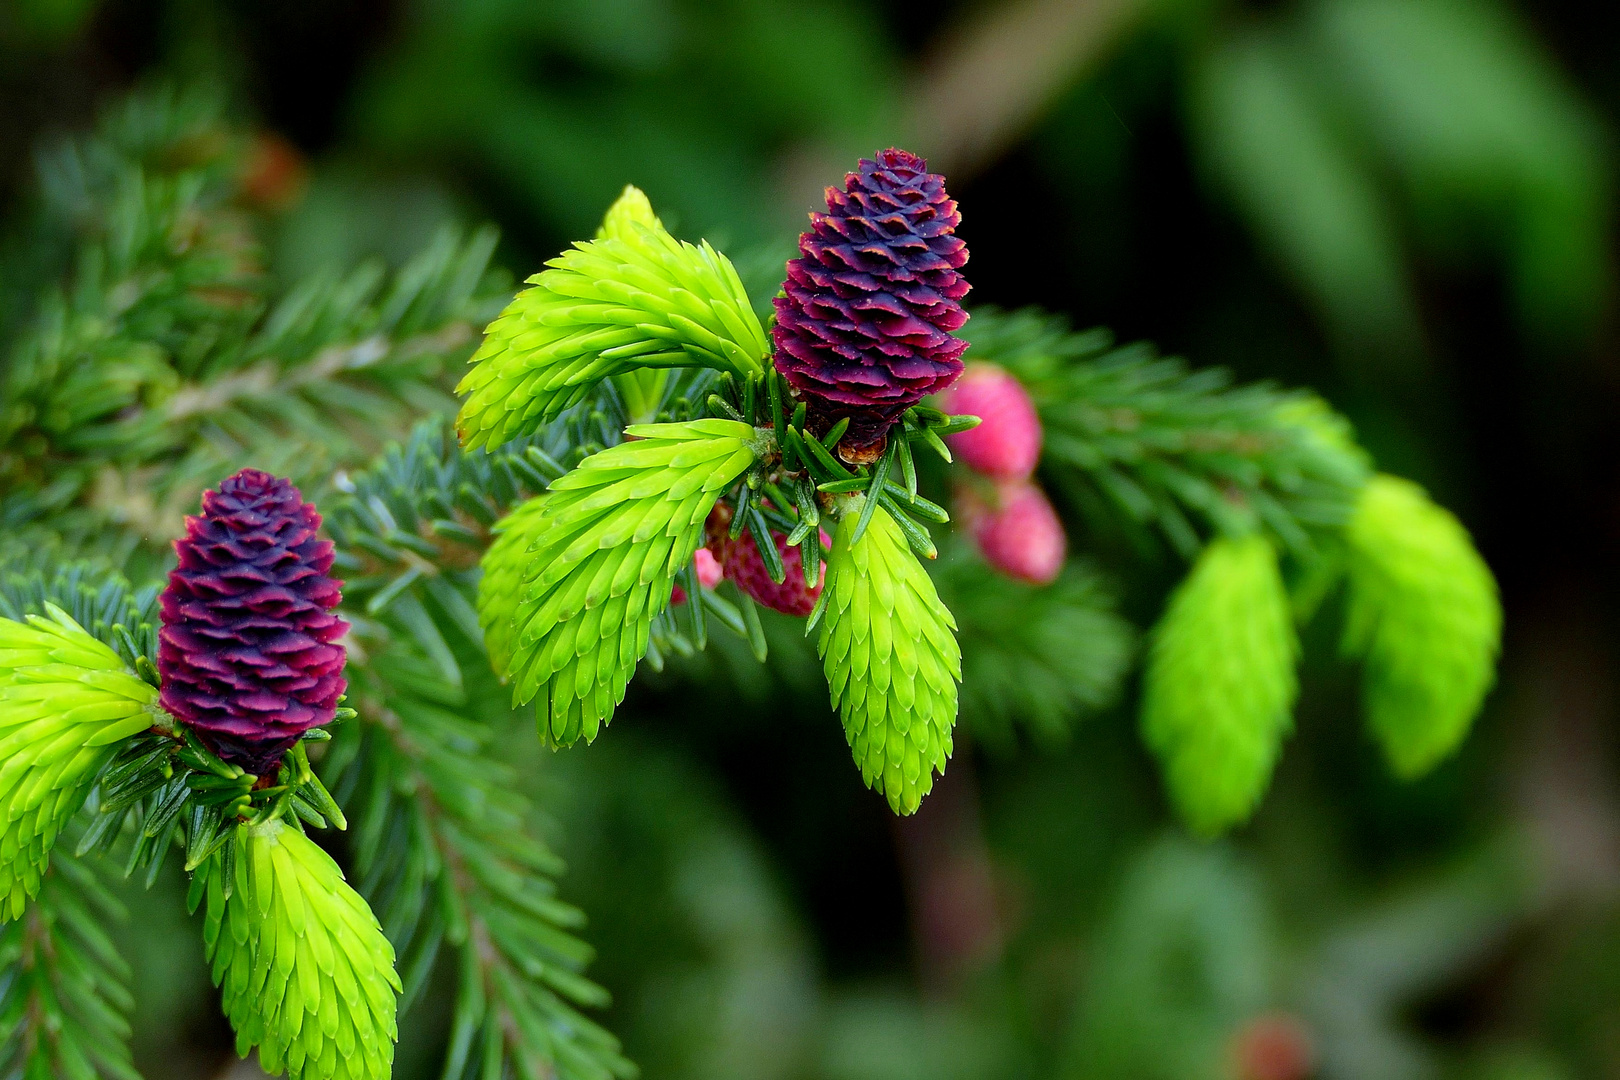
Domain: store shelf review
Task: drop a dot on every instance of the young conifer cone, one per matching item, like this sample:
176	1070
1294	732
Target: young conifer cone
741	563
863	329
249	649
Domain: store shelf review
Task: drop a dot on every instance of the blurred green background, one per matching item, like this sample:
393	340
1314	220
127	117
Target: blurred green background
1407	204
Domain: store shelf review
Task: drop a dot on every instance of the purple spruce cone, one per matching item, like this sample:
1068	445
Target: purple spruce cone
248	651
864	329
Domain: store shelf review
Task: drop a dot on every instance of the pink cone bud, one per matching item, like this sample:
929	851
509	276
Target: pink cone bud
740	560
1273	1047
1007	444
1017	531
746	569
708	571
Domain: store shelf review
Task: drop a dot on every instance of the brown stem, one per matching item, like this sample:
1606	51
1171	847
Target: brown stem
950	880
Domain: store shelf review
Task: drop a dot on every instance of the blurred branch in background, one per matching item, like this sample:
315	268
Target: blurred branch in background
1356	135
956	924
1365	977
1563	784
986	81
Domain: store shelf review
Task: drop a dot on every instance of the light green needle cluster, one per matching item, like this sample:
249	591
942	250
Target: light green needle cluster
1218	690
600	563
642	388
632	209
504	565
1424	617
888	647
635	297
304	970
66	701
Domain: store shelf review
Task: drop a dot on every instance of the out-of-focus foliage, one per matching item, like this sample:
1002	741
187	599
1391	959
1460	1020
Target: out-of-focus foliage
1184	956
715	974
1387	160
688	99
162	363
1424	617
1339	124
1039	657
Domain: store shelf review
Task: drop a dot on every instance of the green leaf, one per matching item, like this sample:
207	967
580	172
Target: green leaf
606	547
1424	618
1218	690
632	298
66	700
889	650
305	972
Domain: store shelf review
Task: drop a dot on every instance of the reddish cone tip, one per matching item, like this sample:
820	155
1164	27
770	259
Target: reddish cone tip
248	650
1275	1046
864	327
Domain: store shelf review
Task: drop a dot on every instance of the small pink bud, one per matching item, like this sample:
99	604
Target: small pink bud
1018	532
1007	444
708	568
709	574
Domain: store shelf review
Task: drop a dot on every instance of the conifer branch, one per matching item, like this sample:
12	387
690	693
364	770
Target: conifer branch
1423	616
162	361
64	988
446	853
889	651
1040	658
600	568
444	842
1145	443
633	298
305	972
1219	685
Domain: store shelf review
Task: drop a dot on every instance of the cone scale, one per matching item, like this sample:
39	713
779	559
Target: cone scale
864	325
249	649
